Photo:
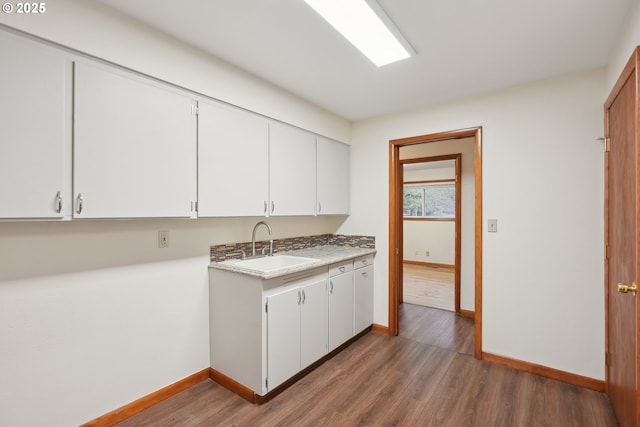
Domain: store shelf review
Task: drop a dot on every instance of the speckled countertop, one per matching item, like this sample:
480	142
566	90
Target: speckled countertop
325	255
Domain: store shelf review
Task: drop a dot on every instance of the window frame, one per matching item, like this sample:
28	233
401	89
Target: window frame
427	182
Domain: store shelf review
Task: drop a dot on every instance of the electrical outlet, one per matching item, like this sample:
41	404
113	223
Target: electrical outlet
426	253
492	225
163	239
417	253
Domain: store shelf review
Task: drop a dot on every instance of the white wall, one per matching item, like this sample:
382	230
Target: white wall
543	294
435	237
92	314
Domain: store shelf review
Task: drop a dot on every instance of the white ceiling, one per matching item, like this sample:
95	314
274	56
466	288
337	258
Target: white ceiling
464	47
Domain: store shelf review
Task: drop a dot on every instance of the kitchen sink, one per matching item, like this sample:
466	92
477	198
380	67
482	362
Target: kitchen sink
271	263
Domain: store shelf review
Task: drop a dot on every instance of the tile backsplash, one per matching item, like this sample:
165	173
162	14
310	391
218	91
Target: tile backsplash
234	250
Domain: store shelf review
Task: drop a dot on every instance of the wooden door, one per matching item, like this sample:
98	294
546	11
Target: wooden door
621	122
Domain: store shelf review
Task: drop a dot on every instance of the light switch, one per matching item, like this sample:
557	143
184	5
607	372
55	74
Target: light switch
492	225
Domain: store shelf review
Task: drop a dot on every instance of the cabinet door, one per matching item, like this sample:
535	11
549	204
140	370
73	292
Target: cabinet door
313	323
340	309
292	170
363	291
33	108
134	146
333	177
283	336
233	161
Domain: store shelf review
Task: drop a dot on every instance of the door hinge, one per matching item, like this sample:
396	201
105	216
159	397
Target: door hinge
266	383
194	206
266	307
606	251
607	359
607	145
194	109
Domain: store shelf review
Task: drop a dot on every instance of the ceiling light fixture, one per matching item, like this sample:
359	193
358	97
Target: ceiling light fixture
367	27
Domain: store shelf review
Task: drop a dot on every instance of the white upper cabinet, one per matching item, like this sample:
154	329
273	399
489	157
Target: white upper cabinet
233	162
34	141
135	146
292	170
333	177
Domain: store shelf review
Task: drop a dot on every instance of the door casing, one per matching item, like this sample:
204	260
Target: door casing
395	226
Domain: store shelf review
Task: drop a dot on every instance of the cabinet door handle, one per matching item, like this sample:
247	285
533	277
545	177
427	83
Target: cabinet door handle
59	202
364	274
319	207
79	202
265	207
273	206
299	297
304	296
365	262
331	286
341	269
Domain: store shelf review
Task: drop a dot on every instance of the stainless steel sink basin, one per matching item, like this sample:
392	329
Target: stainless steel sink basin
269	264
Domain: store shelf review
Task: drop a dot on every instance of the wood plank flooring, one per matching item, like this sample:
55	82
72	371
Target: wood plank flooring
426	376
428	286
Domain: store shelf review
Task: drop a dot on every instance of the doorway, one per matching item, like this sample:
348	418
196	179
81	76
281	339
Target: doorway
431	231
396	250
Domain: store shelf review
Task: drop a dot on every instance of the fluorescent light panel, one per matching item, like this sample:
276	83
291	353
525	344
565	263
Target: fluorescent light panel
359	23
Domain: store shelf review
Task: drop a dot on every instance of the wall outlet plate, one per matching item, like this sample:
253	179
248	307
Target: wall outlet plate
492	226
163	239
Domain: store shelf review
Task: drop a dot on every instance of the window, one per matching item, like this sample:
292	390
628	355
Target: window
430	200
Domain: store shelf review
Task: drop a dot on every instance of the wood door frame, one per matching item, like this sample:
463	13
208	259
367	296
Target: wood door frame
395	217
630	71
457	227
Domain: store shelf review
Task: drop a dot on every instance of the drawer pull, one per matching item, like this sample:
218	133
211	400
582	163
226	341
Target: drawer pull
342	269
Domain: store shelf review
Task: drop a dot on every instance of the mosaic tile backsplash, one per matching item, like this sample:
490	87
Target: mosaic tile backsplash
233	250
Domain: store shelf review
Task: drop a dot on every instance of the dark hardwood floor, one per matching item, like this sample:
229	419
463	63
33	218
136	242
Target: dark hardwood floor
426	376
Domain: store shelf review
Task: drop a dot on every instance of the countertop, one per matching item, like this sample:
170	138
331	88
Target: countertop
326	255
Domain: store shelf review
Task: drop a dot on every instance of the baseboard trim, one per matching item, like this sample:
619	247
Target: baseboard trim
380	329
554	374
147	401
234	386
429	264
468	313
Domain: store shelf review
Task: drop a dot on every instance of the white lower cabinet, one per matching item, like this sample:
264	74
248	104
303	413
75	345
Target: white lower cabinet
340	303
296	328
265	331
363	293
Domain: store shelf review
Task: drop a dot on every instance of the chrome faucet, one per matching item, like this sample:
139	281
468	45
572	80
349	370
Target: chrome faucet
253	239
